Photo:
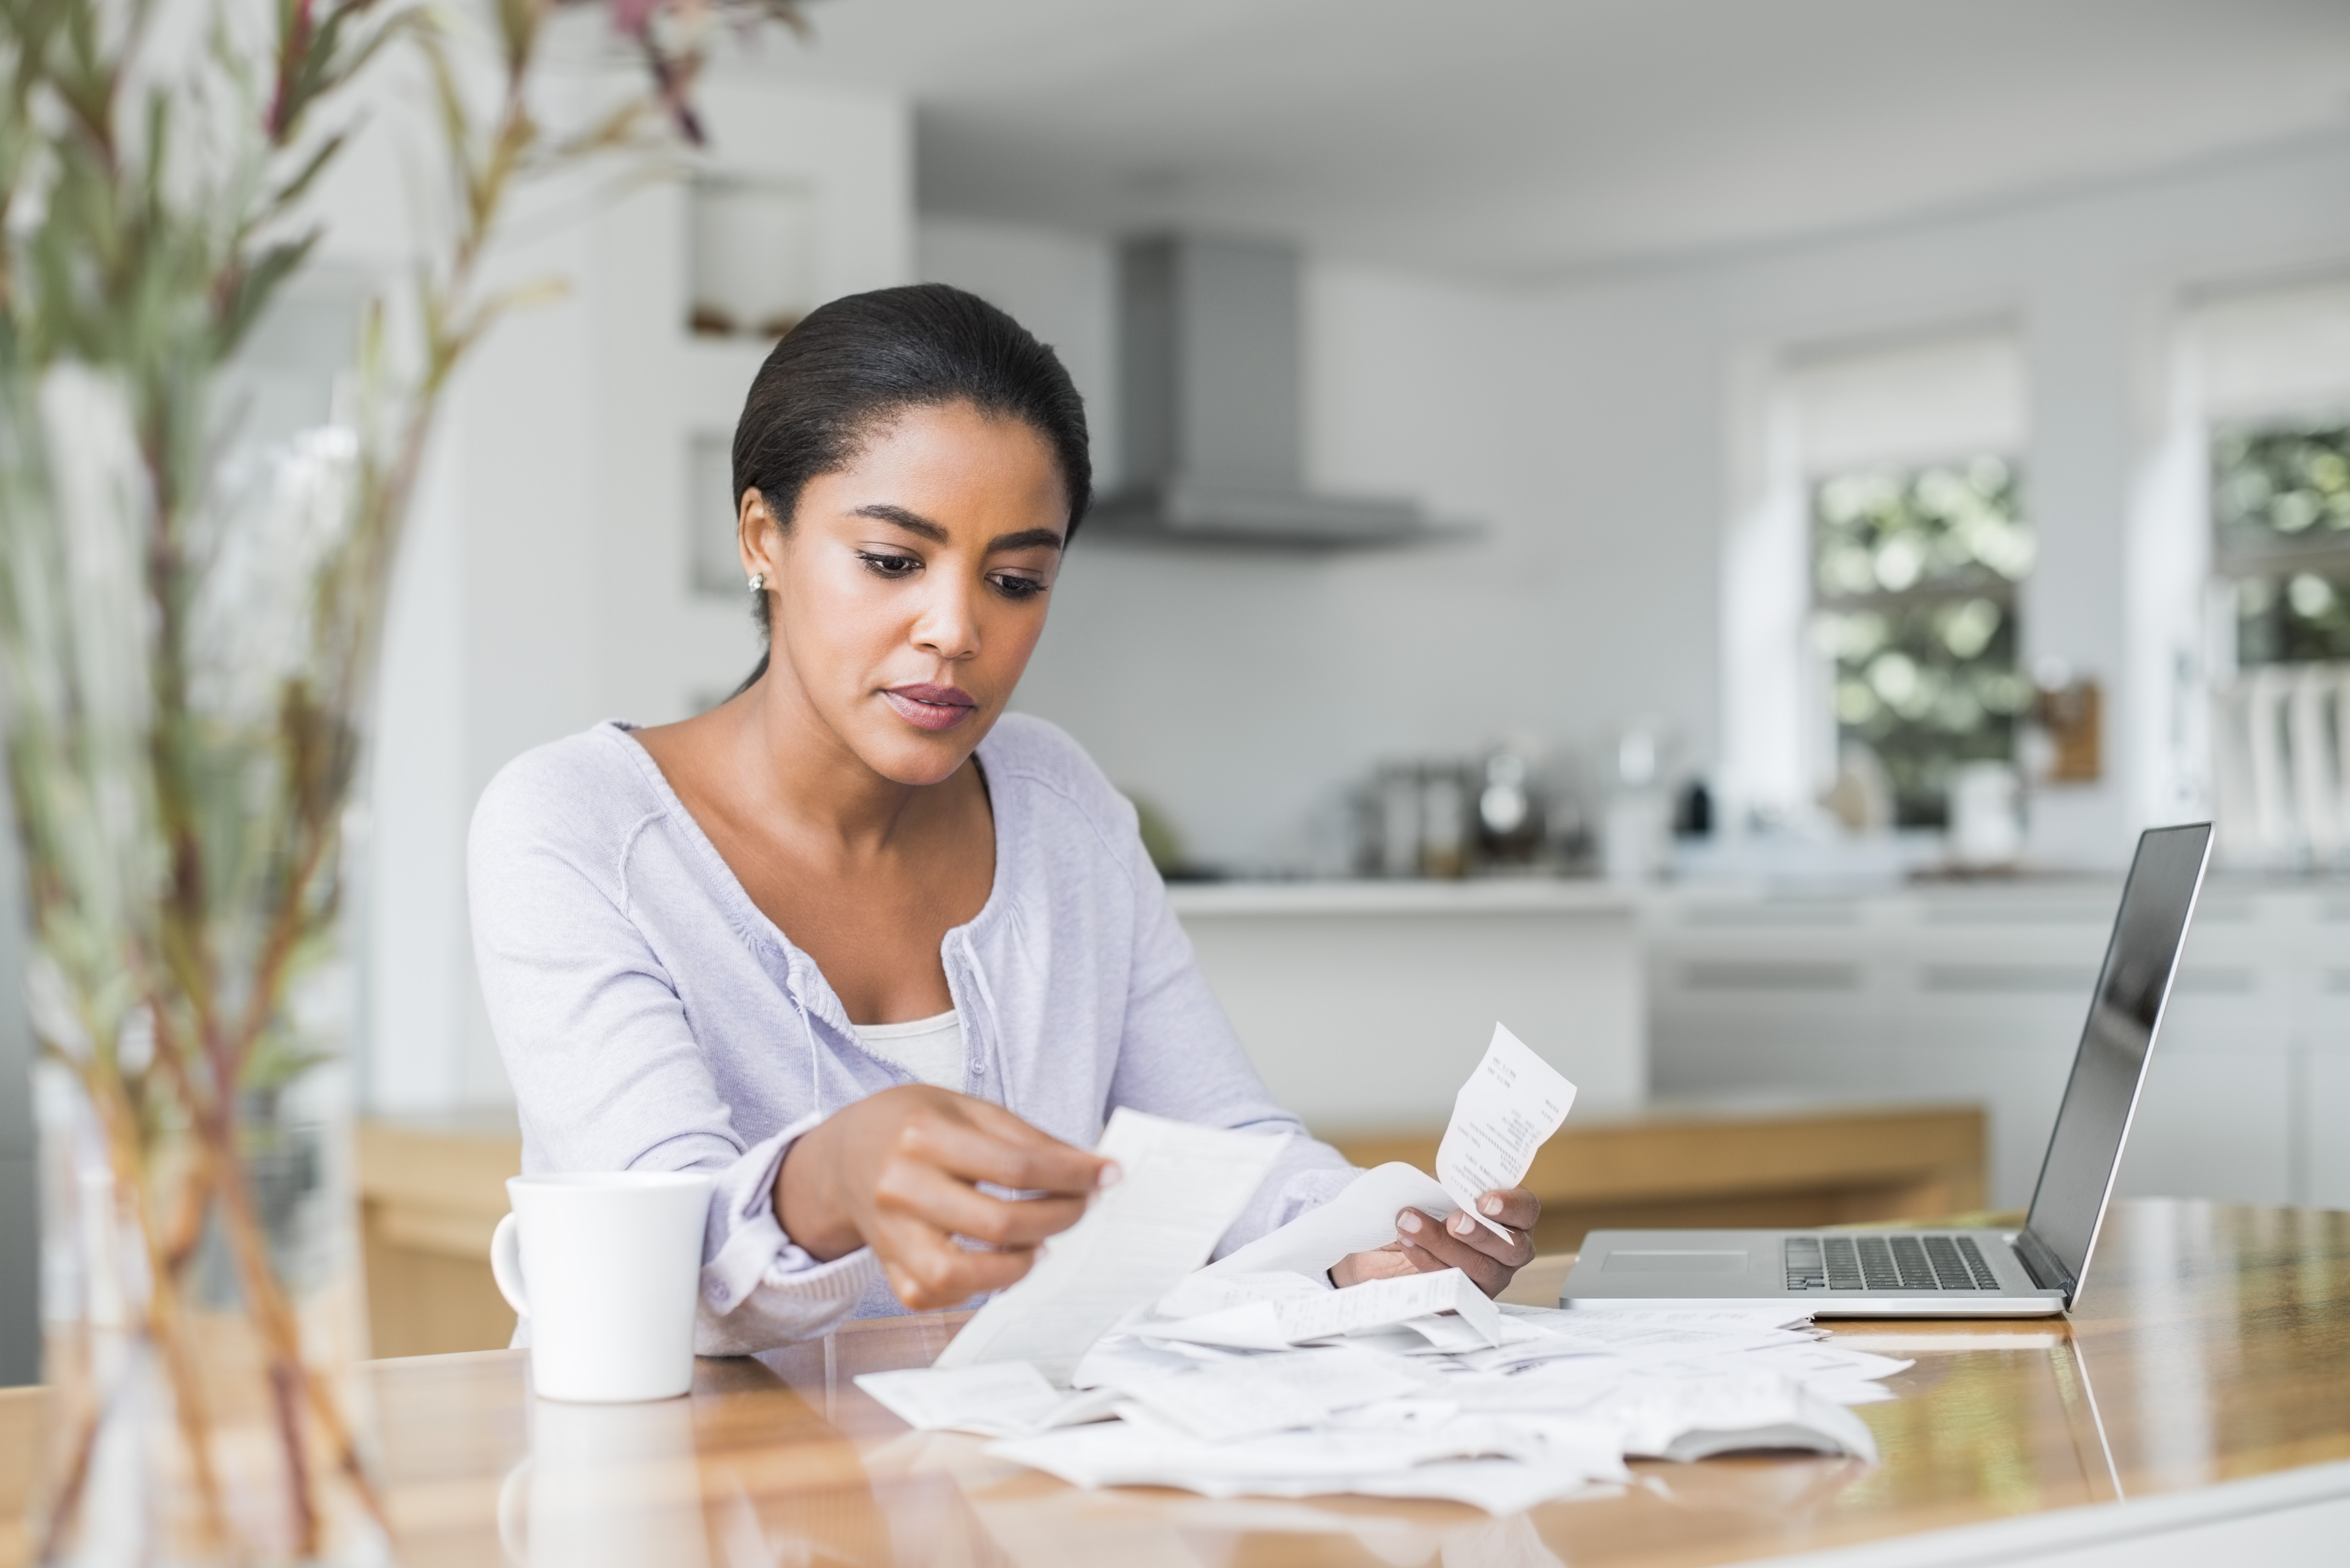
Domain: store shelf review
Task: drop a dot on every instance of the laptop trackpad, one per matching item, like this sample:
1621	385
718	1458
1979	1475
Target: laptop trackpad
1678	1261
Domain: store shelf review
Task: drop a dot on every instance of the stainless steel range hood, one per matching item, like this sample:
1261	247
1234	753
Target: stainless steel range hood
1212	407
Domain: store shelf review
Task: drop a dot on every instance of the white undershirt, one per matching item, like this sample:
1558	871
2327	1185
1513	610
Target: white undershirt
929	1048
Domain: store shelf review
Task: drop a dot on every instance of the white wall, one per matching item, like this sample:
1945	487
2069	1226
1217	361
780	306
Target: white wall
1585	425
545	583
1236	689
1590	424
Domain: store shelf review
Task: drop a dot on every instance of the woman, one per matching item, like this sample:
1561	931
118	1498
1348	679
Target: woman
856	942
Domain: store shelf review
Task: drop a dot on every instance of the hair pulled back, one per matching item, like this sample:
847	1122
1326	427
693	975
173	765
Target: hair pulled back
856	362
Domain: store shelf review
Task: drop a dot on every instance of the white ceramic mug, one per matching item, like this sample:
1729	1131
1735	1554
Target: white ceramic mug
606	1267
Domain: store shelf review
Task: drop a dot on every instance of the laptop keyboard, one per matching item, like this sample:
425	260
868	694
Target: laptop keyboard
1896	1262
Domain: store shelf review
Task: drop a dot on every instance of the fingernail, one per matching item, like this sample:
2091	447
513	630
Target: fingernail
1111	1175
1464	1225
1408	1221
1492	1207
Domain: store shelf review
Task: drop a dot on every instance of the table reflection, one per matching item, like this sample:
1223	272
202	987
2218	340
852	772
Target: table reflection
2211	1350
606	1486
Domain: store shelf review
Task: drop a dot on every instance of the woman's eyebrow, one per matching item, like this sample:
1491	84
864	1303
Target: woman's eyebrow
915	523
911	521
1026	539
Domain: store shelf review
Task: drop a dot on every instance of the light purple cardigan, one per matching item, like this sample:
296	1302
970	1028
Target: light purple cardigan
652	1019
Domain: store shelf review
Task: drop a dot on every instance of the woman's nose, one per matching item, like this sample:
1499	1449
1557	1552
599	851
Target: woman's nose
947	626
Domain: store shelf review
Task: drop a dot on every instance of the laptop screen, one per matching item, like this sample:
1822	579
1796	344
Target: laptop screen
2077	1175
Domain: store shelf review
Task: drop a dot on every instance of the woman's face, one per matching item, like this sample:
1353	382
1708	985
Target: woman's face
911	588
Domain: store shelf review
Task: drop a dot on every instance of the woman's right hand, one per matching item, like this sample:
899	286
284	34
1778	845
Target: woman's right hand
899	1172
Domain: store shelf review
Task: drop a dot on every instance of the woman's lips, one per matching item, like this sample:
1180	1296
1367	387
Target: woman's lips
928	707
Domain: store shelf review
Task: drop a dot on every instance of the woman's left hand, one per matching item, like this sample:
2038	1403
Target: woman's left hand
1424	1244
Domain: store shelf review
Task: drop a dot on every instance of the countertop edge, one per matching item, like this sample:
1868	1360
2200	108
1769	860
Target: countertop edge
1402	898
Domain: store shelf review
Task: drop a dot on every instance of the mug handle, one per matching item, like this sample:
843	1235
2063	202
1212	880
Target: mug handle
505	1264
514	1535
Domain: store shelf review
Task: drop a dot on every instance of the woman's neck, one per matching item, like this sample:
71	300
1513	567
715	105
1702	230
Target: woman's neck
783	765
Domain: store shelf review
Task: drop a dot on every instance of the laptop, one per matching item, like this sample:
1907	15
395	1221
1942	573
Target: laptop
2036	1272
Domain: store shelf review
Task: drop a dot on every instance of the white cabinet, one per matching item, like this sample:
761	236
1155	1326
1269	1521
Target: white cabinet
1979	994
1366	1005
1989	993
1768	996
2217	1118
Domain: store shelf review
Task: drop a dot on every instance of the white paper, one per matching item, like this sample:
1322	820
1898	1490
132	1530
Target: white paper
1181	1187
1411	1387
1498	1427
1690	1418
1206	1292
1121	1361
1565	1319
1448	1335
1819	1359
1251	1325
1673	1341
1361	1218
1273	1393
1511	1103
1000	1399
1500	1466
997	1399
1327	1314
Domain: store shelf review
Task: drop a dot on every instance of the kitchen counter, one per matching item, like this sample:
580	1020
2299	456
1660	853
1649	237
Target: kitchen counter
1477	896
1976	992
1365	1005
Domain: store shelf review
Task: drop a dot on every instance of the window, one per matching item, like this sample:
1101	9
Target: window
2281	534
1914	572
2270	371
1869	566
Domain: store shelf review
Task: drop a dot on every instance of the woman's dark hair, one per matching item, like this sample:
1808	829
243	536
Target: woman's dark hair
855	363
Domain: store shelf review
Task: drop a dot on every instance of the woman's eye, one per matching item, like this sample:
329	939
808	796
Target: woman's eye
1017	587
886	564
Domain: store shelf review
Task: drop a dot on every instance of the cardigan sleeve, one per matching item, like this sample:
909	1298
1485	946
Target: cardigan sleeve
607	1074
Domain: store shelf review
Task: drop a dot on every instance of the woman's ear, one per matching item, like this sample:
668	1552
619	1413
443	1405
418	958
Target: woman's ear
758	537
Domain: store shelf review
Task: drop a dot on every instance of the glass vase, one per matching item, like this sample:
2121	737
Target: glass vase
186	635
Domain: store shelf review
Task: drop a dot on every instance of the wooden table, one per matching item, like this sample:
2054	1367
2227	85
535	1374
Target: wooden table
432	1189
2206	1378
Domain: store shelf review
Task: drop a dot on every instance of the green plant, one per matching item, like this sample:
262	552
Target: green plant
187	673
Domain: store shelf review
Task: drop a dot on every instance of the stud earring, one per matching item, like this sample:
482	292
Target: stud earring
758	582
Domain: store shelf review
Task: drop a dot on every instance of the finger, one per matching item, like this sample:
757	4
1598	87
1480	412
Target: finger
1482	1272
921	1192
1038	1161
1417	1234
928	1272
971	1143
1511	1206
1436	1241
1386	1263
953	1282
1514	1249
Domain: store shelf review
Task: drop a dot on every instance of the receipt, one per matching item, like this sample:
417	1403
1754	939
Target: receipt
1361	1218
1268	1324
1511	1102
1182	1187
1273	1393
1002	1399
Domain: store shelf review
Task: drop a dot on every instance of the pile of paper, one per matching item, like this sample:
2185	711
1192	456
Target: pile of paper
1271	1385
1119	1361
